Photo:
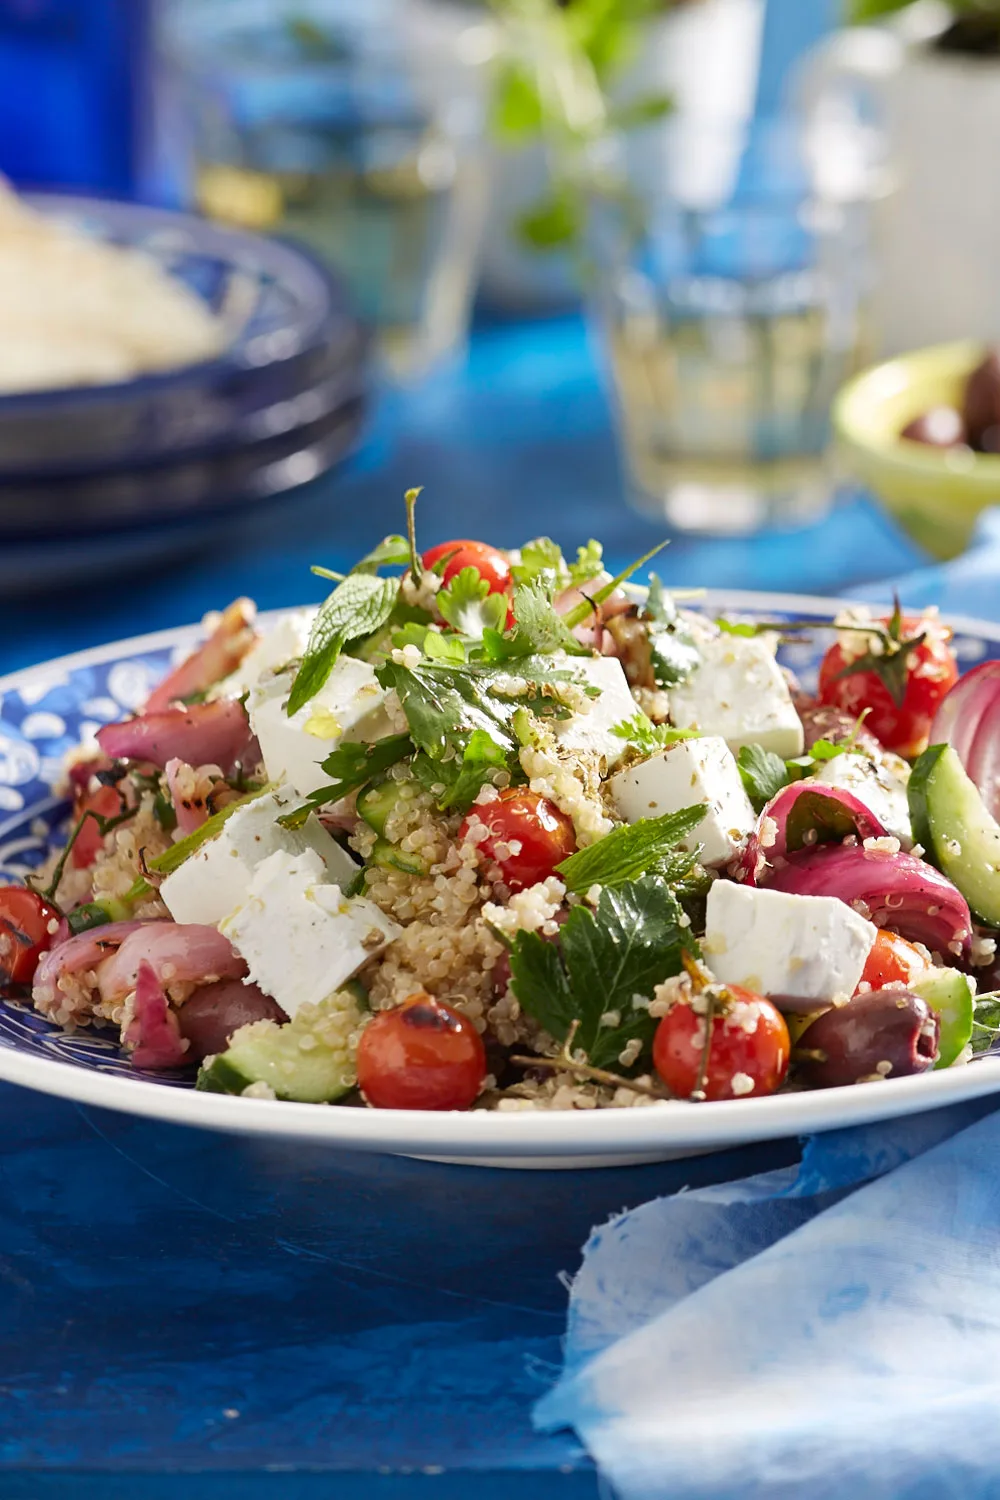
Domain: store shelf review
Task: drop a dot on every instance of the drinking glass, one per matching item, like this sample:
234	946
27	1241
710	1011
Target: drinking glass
730	291
356	130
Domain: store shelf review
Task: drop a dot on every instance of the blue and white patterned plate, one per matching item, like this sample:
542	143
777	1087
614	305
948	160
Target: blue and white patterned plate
47	709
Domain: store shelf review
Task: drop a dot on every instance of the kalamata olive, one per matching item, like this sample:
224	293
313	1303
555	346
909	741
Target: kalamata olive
981	407
882	1034
212	1013
941	427
822	721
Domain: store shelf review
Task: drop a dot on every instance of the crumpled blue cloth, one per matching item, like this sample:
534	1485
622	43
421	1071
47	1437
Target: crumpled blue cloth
826	1331
970	585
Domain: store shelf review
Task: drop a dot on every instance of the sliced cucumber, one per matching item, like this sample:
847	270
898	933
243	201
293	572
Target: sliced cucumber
391	857
376	802
952	995
309	1059
951	821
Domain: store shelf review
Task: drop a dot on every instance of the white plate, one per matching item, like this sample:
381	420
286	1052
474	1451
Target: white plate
45	709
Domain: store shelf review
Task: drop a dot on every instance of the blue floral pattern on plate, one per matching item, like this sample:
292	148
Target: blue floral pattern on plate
46	711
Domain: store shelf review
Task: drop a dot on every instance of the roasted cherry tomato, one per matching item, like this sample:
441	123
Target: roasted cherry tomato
526	835
892	961
748	1052
25	920
420	1055
105	801
487	561
897	676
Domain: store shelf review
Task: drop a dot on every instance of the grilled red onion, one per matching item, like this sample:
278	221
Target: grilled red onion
209	1017
211	662
201	734
969	720
153	1033
178	953
898	891
821	721
801	816
75	956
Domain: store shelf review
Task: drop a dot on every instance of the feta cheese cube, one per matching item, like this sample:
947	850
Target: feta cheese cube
775	943
215	879
691	771
739	692
591	730
880	785
300	936
282	643
349	706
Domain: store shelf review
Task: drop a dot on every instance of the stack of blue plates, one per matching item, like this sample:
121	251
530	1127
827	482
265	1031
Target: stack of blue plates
140	468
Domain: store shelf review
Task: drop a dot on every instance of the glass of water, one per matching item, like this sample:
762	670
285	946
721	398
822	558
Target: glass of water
730	296
355	129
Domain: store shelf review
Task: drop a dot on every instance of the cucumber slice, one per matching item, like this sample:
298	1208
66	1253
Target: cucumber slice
310	1059
375	804
391	857
952	995
951	821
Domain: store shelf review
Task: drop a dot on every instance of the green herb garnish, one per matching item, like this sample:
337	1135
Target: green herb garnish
358	607
351	766
649	738
600	965
649	847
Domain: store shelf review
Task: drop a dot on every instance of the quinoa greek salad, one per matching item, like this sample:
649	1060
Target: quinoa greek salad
498	830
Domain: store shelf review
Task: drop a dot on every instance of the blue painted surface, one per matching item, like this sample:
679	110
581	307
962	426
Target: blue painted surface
171	1300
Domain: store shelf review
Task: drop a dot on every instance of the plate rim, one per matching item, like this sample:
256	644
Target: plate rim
486	1135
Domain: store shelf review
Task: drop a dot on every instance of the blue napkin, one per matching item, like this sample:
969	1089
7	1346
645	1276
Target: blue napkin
826	1331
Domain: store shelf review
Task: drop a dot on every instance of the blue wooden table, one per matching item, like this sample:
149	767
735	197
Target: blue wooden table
189	1315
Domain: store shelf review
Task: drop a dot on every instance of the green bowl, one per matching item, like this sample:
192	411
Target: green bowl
935	493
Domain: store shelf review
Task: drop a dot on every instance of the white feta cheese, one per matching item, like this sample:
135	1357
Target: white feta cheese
284	642
881	786
215	879
349	706
739	692
775	943
300	936
702	770
591	730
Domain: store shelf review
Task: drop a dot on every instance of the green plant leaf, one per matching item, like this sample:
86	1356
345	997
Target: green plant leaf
648	737
589	563
763	774
648	847
358	607
351	766
517	110
646	109
554	222
391	552
469	607
600	965
541	558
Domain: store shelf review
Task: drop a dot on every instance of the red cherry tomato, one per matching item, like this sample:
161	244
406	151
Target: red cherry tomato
487	561
105	801
749	1042
25	919
420	1055
892	961
930	670
526	835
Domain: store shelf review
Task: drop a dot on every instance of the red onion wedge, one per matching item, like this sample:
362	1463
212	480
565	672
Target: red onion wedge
799	817
212	1013
202	734
898	891
75	956
153	1033
969	721
178	953
215	659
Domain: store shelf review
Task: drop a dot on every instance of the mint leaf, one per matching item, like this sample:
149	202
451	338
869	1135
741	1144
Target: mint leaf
391	552
635	849
589	563
351	766
763	774
469	607
600	964
358	607
648	737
